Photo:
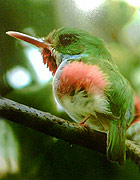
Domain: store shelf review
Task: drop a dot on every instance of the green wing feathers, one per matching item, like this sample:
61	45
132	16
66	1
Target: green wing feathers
116	150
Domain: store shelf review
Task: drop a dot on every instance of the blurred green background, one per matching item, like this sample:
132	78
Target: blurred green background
28	154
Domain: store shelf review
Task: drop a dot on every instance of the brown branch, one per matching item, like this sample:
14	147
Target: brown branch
60	128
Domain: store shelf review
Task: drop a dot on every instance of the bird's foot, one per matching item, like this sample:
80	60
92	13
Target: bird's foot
82	123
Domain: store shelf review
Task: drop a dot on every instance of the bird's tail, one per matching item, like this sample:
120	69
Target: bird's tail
116	149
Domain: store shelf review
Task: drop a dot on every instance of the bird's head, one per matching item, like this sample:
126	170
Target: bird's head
65	43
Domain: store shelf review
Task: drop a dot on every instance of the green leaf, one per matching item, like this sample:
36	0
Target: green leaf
9	150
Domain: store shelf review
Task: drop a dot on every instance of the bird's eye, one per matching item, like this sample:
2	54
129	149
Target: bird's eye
67	39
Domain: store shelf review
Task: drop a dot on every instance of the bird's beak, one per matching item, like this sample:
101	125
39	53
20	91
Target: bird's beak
32	40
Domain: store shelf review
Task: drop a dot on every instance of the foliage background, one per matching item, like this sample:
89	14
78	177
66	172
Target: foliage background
27	154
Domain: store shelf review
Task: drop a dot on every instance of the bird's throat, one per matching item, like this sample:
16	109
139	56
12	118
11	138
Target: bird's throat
49	59
53	58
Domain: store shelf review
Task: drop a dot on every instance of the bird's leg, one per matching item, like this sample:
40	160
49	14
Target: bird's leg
82	123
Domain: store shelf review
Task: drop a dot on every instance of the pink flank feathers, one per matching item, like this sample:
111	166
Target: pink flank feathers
137	110
81	76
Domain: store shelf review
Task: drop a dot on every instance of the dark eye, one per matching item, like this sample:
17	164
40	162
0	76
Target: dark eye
67	39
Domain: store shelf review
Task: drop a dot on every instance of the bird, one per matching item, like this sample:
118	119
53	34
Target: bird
87	84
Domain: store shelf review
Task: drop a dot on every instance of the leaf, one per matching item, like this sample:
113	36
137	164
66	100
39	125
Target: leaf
9	150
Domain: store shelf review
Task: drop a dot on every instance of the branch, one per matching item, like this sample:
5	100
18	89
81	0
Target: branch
60	128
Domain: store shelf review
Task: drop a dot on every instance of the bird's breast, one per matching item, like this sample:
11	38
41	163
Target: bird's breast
80	76
79	89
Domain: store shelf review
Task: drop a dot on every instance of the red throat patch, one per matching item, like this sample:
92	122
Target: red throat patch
81	76
50	60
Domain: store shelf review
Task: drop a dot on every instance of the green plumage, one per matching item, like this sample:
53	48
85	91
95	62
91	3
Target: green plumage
121	106
119	93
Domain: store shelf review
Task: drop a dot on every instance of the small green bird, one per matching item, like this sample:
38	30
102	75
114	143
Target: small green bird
88	84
